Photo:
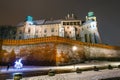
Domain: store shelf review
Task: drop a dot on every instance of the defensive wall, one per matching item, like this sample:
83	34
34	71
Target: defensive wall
58	50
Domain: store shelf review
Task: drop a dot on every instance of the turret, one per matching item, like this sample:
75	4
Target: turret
90	16
29	20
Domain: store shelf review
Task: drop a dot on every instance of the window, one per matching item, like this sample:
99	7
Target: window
20	32
71	23
74	23
29	30
90	37
78	23
45	35
76	29
14	32
20	37
45	30
67	23
36	36
82	29
85	37
64	23
36	31
52	30
68	36
65	32
77	35
95	38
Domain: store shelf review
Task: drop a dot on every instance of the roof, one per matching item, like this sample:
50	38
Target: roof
42	22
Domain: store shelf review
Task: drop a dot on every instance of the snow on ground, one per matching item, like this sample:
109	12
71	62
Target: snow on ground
86	75
35	68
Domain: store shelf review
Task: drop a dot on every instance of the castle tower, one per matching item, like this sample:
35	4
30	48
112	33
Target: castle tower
89	31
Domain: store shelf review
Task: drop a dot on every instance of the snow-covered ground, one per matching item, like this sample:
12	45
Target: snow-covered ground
86	75
35	68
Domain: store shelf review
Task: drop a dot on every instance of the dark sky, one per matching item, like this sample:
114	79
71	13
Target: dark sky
107	12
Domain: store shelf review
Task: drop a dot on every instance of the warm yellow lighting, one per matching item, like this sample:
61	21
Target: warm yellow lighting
74	48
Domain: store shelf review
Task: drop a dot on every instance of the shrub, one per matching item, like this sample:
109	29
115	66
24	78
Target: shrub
118	66
78	70
110	67
51	72
17	76
96	68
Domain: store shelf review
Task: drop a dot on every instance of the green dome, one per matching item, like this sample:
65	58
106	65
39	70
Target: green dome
90	14
29	18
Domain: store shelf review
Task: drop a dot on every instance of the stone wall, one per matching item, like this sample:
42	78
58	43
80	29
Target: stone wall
56	50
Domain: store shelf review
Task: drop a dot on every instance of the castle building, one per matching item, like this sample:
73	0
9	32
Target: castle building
70	27
55	42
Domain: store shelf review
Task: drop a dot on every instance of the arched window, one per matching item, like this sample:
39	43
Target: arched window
85	37
45	30
95	38
29	30
52	30
90	38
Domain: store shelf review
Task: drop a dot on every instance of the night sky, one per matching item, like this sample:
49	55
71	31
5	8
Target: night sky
107	12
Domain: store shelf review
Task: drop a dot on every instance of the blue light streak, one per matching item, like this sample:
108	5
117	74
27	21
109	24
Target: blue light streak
18	64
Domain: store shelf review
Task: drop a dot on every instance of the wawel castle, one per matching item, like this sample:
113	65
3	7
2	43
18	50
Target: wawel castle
55	42
70	27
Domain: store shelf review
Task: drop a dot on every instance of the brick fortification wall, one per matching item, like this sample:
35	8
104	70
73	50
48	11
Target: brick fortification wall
57	50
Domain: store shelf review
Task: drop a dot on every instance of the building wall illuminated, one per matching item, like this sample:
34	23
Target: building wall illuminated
70	28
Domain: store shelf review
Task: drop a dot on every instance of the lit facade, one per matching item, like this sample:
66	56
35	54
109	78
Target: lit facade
70	27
